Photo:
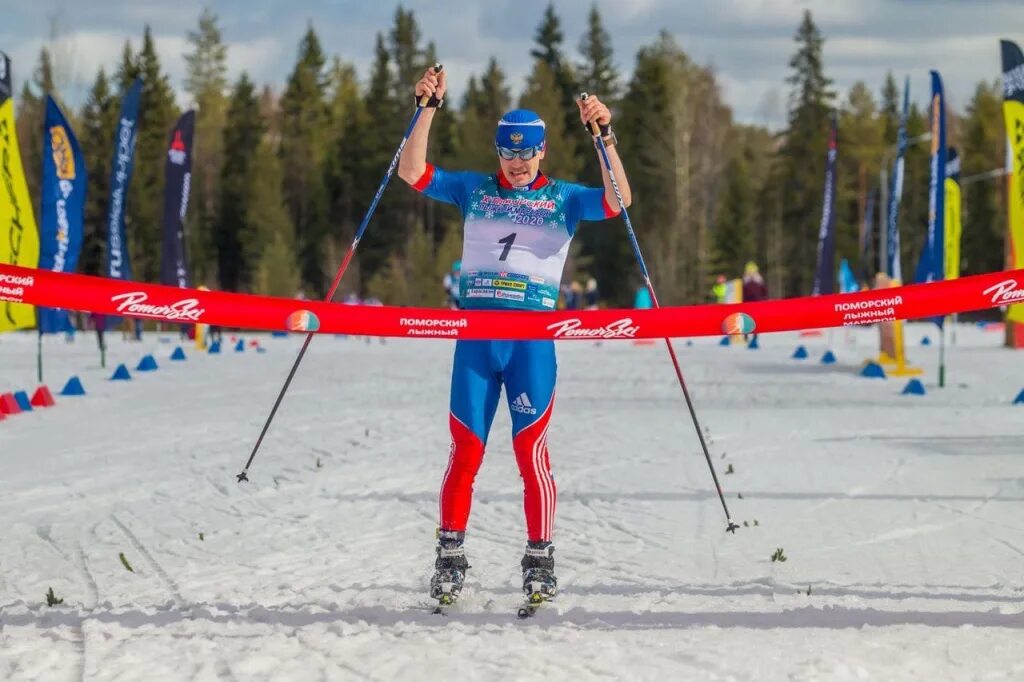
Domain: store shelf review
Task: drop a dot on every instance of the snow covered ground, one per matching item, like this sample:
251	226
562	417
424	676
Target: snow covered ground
902	517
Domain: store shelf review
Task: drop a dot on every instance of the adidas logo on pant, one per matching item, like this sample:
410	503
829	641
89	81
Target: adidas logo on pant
522	404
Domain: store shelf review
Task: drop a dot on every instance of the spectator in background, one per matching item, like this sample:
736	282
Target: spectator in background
754	288
720	289
591	296
99	323
451	285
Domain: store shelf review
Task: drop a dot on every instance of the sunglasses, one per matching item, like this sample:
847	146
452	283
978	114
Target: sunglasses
524	154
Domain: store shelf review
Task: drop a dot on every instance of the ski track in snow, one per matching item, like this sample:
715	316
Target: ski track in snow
902	515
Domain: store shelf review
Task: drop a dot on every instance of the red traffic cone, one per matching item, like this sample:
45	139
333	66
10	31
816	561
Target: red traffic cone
8	405
42	397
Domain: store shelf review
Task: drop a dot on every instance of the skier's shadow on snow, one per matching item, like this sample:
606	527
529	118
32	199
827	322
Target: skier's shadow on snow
483	497
830	617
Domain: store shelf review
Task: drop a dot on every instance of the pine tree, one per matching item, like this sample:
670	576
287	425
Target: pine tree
128	70
983	148
31	114
804	156
862	143
548	40
144	210
304	137
206	82
892	106
674	144
346	175
541	96
269	237
234	236
485	102
379	130
735	229
99	123
597	72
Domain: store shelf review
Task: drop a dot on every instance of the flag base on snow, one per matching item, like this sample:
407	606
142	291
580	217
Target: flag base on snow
8	404
1019	400
214	347
23	401
724	341
913	387
178	354
753	345
147	364
42	397
800	353
73	387
240	346
873	370
829	358
121	374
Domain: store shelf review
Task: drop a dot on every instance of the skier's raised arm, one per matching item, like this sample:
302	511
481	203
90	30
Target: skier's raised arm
592	110
413	162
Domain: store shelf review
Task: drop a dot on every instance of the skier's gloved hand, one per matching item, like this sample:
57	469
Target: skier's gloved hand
432	86
594	112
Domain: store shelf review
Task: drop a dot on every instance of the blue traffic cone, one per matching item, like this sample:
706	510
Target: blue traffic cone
1019	400
724	341
73	387
913	387
21	397
753	345
240	346
873	370
178	354
829	358
800	353
147	364
121	374
214	347
926	341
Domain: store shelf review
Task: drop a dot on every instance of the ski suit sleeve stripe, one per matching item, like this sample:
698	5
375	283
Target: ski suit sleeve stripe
586	203
428	175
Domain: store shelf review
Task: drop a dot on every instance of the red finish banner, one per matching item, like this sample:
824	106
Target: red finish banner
170	304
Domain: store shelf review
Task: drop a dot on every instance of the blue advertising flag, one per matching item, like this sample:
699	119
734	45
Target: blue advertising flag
824	276
118	265
63	207
867	234
932	265
177	181
896	192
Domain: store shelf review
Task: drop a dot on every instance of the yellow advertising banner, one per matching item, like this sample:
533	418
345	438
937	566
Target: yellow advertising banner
954	229
19	238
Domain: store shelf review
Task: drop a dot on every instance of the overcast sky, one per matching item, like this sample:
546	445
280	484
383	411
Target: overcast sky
748	42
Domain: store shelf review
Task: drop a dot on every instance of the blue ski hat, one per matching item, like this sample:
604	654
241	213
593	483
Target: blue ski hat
520	129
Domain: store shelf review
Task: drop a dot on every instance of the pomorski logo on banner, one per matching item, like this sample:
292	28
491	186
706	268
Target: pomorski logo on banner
134	303
574	329
1005	293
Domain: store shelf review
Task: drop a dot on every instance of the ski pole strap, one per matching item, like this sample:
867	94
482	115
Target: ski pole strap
430	101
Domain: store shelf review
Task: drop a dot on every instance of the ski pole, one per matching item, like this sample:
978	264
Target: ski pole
654	301
341	272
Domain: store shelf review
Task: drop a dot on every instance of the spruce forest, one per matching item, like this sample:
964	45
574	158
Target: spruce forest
282	177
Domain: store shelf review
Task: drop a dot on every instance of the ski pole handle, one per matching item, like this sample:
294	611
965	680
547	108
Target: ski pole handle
592	127
430	100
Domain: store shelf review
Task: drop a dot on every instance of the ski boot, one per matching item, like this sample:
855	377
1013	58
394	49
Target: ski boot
449	568
539	582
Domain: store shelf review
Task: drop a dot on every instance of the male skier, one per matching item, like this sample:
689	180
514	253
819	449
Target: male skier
518	225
